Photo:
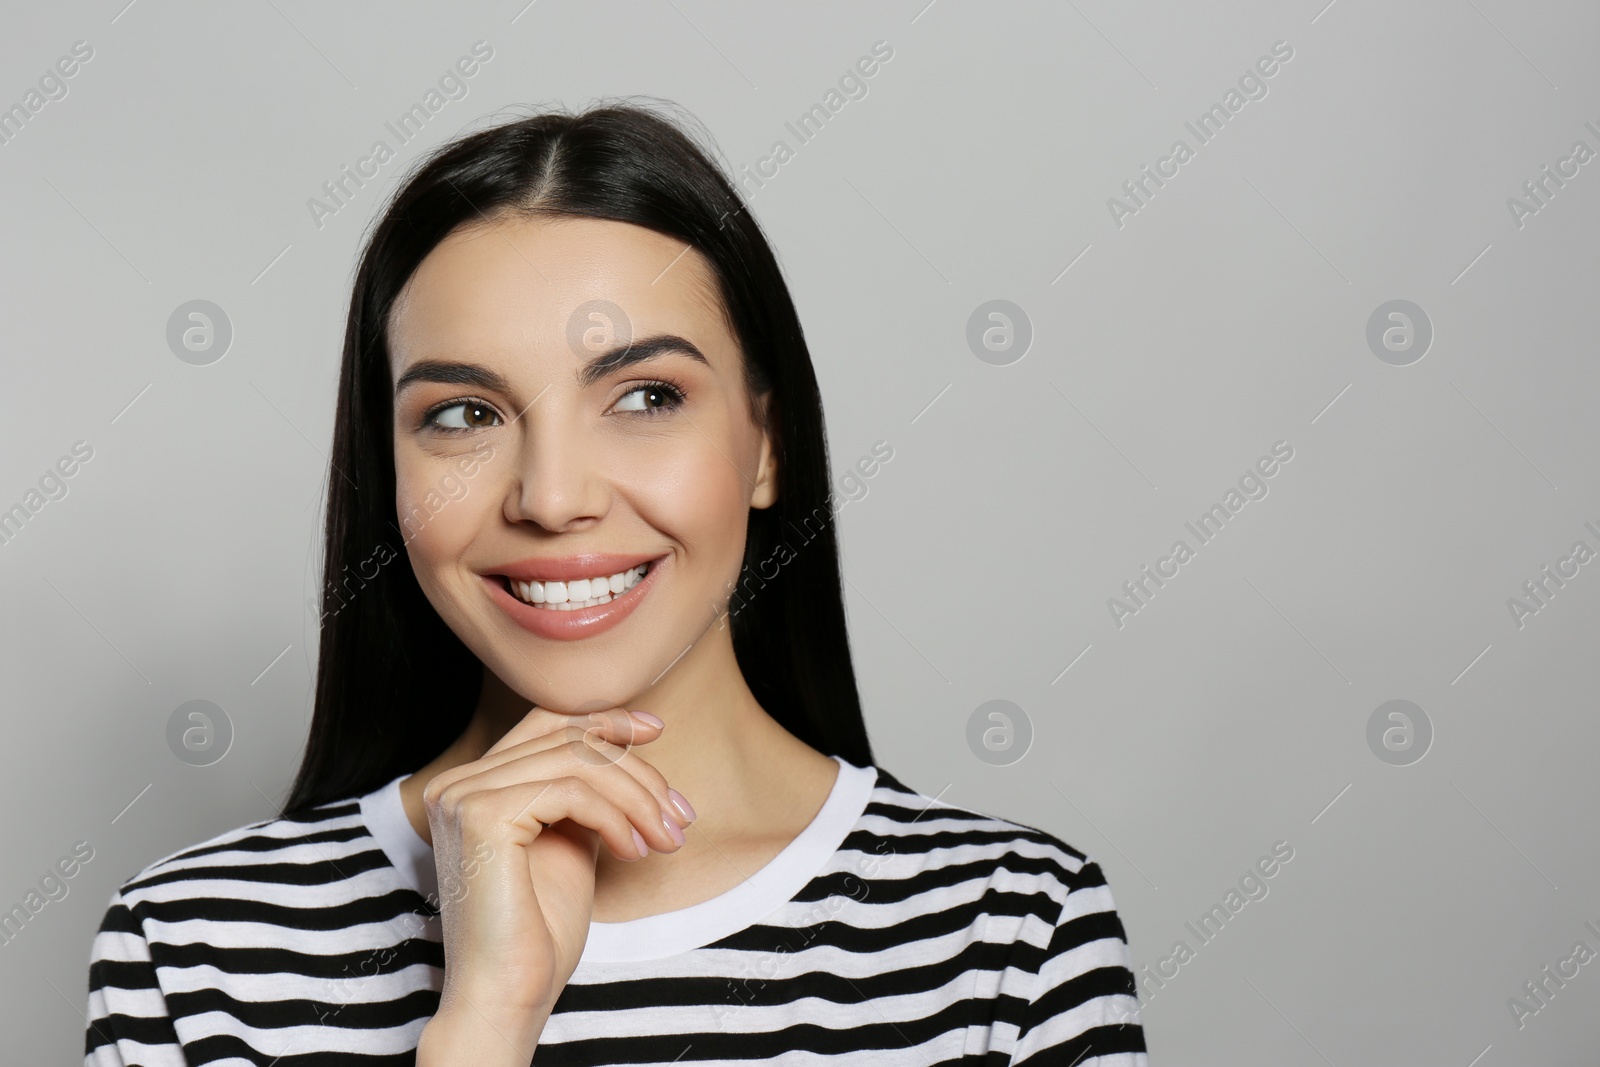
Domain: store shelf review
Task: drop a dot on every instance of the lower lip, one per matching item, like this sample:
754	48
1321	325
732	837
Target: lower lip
577	623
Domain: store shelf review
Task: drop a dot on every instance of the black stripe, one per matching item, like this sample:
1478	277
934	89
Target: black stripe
119	920
277	1014
266	960
793	979
110	1029
1099	1041
915	927
226	1046
265	843
327	813
317	872
326	917
894	890
1100	982
723	1044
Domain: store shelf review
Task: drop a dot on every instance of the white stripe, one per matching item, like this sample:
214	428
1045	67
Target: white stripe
291	1040
119	947
1066	1025
364	886
361	987
246	935
1094	900
138	1003
123	1053
289	852
271	828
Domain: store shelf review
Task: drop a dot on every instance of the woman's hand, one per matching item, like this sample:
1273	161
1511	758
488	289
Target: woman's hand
526	823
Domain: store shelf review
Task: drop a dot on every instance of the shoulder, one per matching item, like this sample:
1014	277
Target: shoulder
255	938
943	843
289	856
907	810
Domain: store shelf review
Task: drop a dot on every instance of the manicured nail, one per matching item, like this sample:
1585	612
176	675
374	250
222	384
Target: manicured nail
672	828
681	802
638	843
647	718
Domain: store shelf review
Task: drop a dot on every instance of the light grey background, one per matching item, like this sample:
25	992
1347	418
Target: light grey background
1228	313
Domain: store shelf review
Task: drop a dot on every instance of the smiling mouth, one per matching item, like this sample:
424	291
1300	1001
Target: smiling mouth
582	593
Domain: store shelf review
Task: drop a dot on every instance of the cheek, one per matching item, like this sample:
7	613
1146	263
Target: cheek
437	526
695	494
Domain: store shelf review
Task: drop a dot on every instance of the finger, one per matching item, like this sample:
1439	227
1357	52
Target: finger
619	726
610	735
590	746
519	812
646	807
541	728
603	732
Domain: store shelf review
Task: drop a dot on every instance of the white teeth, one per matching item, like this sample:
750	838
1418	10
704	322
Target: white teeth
582	593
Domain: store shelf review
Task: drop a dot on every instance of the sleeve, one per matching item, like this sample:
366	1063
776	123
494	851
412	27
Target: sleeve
128	1022
1084	1009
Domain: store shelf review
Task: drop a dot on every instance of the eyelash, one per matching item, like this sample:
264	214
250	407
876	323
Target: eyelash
674	392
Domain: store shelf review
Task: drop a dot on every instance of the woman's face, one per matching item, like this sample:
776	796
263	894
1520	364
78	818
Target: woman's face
529	436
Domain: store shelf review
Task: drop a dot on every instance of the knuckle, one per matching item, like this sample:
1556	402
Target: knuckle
649	778
475	808
590	750
573	789
647	812
432	791
447	797
658	781
572	732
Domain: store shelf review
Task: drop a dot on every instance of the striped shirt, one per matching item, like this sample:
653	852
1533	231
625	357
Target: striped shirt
895	930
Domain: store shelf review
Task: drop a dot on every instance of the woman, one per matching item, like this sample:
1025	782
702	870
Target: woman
577	400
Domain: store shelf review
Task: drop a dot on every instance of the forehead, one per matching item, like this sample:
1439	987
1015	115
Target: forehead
514	285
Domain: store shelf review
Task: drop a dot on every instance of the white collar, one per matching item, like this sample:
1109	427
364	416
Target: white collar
673	932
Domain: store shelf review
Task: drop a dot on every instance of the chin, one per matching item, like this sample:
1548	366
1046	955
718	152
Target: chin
576	682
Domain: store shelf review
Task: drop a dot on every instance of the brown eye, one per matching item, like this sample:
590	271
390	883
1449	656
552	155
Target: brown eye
464	415
650	398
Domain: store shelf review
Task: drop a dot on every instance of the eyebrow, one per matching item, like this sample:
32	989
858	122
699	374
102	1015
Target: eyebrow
602	365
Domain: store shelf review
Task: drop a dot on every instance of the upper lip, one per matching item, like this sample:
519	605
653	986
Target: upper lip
571	568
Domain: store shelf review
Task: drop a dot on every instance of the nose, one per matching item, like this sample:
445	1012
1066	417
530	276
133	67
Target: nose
558	482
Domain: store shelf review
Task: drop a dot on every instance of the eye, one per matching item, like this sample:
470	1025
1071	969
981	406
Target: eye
650	399
459	416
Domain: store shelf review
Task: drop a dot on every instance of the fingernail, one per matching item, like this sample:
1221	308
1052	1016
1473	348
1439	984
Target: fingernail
681	802
672	828
647	718
638	843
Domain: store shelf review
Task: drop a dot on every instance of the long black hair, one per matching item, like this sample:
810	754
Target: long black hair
395	686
